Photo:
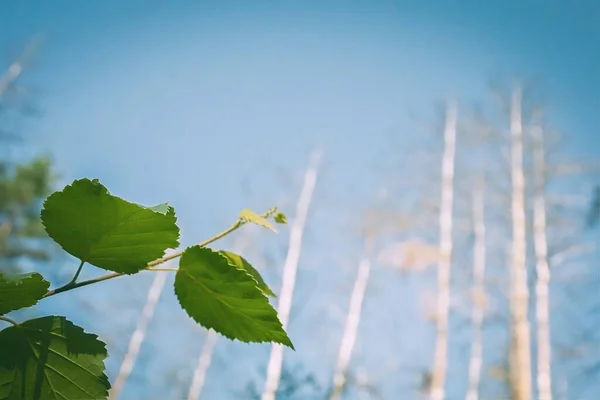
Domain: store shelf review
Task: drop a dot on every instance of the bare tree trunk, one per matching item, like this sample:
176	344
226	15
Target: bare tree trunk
479	261
205	358
203	364
16	67
520	356
136	340
290	267
352	321
544	377
438	378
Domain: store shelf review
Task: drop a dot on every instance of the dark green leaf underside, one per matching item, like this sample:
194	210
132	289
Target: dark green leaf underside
51	358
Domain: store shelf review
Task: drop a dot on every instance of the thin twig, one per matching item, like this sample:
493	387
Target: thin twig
290	267
9	320
162	269
151	265
81	284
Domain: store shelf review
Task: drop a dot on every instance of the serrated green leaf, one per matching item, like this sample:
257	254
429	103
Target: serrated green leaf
240	262
21	291
107	231
225	299
51	358
252	217
161	208
280	218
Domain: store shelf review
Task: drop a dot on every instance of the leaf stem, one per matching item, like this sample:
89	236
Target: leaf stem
74	280
152	264
76	285
161	269
208	241
12	321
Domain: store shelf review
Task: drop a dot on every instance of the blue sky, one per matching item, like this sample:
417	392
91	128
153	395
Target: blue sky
180	101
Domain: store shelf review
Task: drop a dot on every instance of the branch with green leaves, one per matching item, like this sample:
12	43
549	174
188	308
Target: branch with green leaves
50	357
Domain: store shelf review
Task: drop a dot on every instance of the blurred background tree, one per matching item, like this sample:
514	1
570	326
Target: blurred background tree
23	184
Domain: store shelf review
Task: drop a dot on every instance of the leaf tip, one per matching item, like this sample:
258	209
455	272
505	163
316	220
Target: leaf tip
280	218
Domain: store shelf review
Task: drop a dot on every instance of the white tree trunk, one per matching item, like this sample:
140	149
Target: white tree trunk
438	378
520	357
352	321
205	358
16	67
544	376
136	340
479	263
203	364
290	267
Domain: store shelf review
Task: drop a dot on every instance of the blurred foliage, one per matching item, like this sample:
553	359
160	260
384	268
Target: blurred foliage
22	190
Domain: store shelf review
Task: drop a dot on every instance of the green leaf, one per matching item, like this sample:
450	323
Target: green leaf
163	208
280	218
252	217
21	291
240	262
106	231
51	358
225	299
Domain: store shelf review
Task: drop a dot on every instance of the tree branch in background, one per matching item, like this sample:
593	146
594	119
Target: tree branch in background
289	273
137	338
438	378
479	263
15	69
520	351
544	374
352	320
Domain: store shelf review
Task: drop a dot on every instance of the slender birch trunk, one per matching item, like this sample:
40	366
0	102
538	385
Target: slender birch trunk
205	358
352	321
16	67
290	267
520	357
438	378
136	340
544	377
204	362
479	264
